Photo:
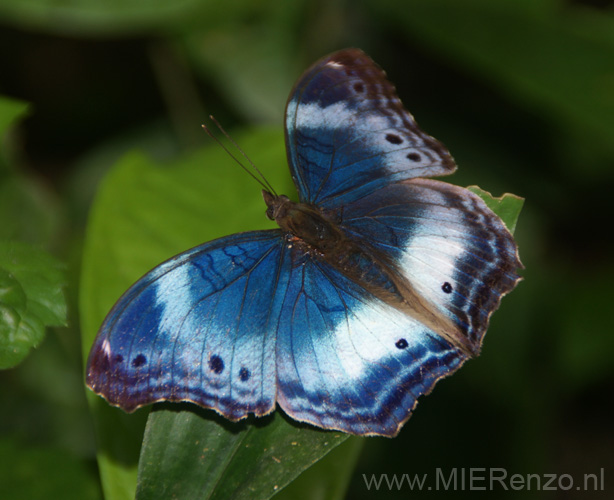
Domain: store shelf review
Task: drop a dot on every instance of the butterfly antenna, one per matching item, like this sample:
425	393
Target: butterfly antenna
262	180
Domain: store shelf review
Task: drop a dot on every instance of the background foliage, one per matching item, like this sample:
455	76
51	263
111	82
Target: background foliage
521	92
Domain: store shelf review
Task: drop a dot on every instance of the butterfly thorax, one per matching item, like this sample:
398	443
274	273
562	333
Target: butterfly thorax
306	223
310	227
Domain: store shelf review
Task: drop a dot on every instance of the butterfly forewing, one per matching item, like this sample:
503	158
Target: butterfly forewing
348	133
197	328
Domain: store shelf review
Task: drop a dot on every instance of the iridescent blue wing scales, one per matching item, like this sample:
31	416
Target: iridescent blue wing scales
197	328
347	360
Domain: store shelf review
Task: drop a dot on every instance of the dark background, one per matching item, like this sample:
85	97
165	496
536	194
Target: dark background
521	92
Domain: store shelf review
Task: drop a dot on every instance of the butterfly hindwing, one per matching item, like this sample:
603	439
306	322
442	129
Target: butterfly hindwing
347	360
445	241
196	328
348	133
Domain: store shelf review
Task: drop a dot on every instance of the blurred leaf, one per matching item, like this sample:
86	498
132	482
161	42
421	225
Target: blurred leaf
154	138
43	472
143	214
189	455
104	17
11	110
559	60
507	206
31	298
28	211
83	16
254	58
253	63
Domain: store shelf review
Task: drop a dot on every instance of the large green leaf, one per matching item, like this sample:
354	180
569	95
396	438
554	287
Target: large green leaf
196	454
328	478
81	16
31	299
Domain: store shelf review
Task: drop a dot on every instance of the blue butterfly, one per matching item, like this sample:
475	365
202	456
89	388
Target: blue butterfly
378	283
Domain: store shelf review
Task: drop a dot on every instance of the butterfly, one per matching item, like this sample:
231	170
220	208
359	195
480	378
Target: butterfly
379	281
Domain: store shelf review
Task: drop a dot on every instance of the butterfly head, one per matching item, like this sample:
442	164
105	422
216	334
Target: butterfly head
277	206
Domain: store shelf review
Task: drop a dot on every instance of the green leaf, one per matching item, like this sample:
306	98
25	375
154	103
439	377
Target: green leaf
31	298
28	210
79	16
197	454
252	63
11	110
507	206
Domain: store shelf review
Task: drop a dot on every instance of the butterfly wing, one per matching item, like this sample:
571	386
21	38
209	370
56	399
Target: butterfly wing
446	242
347	360
347	133
196	328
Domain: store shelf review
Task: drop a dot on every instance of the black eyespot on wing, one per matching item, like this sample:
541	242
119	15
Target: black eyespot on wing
118	358
244	374
139	361
359	87
216	364
401	344
414	156
446	287
393	139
